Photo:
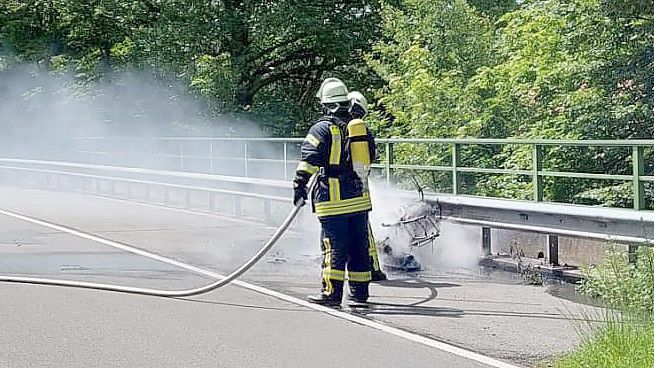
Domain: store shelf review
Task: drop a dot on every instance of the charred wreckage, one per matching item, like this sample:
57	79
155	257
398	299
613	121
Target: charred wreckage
418	226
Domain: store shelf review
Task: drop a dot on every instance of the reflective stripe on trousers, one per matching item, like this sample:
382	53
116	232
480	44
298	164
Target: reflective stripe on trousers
345	245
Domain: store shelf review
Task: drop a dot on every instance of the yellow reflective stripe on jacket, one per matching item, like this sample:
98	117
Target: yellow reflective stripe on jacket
334	189
313	140
343	211
359	276
339	207
335	152
335	159
307	167
352	205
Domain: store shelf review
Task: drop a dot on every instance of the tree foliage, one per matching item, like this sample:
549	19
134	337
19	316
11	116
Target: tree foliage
261	56
576	69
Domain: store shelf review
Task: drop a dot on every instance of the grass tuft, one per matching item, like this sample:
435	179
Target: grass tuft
617	344
626	340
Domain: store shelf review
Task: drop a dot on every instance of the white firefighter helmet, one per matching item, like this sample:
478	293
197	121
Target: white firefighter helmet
332	91
357	98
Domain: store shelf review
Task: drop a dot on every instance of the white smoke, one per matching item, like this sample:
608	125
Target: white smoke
457	247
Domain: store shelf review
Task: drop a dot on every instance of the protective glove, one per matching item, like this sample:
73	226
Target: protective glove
299	194
300	189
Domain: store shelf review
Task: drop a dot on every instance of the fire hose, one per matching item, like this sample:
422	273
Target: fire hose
171	293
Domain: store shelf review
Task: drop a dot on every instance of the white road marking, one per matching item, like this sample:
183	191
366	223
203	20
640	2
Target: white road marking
333	312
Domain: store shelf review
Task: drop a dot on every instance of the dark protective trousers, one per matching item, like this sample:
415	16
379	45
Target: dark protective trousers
345	245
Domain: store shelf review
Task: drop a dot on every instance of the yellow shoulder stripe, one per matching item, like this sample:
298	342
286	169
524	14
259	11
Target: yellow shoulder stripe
307	167
313	140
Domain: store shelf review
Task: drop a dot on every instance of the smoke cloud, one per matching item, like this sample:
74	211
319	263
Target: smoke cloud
457	247
114	121
55	116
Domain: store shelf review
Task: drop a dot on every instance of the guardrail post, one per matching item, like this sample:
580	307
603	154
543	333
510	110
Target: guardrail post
266	210
633	253
638	171
456	161
238	207
245	158
285	161
537	166
389	163
486	241
553	249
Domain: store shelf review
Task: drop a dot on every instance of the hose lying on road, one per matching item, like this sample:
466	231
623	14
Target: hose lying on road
170	293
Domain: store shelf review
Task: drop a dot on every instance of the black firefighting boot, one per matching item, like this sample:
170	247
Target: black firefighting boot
357	300
331	296
358	292
326	300
378	276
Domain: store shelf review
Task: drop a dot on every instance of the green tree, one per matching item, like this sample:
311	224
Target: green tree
494	8
568	69
429	52
578	69
29	29
262	57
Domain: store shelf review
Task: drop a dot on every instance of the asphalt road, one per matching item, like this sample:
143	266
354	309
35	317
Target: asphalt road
494	315
47	327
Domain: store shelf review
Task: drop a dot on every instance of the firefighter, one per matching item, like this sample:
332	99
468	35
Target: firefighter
339	198
358	110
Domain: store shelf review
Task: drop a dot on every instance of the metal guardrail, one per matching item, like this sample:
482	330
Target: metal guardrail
185	151
554	220
150	182
90	177
612	225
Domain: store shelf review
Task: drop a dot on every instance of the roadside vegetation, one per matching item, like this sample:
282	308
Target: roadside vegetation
627	339
624	285
619	344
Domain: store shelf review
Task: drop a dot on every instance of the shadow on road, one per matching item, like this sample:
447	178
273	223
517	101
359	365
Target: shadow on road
414	309
418	309
416	283
406	310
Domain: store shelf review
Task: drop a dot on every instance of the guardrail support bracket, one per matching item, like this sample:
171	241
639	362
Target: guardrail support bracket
633	253
486	241
553	249
238	207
